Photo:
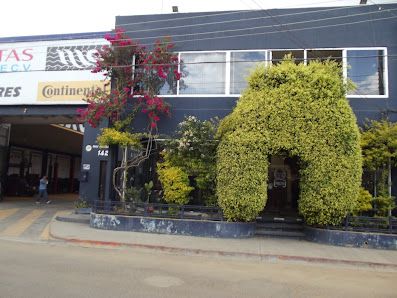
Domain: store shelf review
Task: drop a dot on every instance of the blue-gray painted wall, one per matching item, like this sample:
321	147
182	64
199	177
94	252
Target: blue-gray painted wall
362	26
361	32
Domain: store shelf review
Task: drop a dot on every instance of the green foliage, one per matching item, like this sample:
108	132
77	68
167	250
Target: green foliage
132	194
364	202
148	187
111	136
175	183
383	205
379	143
81	203
194	151
300	110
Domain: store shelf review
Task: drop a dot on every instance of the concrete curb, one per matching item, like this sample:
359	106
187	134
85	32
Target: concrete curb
203	252
77	218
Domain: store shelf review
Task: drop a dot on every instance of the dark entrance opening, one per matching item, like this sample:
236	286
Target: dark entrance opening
282	187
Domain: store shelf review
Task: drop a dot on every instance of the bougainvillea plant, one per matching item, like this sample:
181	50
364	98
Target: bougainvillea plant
136	74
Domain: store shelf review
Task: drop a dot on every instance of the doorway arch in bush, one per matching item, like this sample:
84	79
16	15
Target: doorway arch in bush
300	110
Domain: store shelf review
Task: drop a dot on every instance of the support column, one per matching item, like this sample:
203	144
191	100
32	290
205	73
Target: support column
72	165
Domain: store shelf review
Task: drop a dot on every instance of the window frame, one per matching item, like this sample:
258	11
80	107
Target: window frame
269	55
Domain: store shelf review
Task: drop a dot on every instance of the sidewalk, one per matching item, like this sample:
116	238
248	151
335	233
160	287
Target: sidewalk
74	228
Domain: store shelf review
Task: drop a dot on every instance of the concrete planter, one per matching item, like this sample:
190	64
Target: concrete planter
83	210
351	239
200	228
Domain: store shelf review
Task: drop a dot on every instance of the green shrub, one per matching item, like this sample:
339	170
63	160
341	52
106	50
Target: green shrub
383	205
175	183
364	202
132	194
300	110
81	203
194	151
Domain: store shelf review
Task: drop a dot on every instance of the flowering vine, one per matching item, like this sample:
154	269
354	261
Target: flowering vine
137	75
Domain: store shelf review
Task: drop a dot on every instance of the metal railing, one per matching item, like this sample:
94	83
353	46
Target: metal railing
386	225
159	210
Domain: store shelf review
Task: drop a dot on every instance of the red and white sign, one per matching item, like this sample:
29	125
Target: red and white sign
23	66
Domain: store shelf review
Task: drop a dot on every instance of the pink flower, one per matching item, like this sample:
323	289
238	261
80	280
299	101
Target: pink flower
156	118
153	125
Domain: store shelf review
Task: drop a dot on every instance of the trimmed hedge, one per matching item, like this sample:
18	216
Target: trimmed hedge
300	110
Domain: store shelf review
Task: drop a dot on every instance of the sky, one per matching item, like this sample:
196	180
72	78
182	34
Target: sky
43	17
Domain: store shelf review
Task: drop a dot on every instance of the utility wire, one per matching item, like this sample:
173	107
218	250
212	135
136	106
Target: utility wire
230	21
225	62
210	32
237	35
307	45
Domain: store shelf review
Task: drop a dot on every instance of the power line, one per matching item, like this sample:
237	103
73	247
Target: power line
266	33
243	35
234	61
211	32
228	21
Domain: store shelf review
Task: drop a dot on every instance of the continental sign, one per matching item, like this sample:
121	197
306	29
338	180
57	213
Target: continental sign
68	91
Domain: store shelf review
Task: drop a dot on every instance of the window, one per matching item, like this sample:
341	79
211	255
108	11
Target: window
334	55
240	65
223	73
169	85
366	69
203	73
278	56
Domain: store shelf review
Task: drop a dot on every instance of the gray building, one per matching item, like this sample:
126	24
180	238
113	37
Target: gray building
218	48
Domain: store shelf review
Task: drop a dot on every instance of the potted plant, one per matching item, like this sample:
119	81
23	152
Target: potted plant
81	206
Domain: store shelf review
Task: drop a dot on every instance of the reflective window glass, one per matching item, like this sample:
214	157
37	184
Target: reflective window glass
278	56
240	64
322	55
366	70
203	73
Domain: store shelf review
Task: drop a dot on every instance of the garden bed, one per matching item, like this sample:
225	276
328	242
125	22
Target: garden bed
173	226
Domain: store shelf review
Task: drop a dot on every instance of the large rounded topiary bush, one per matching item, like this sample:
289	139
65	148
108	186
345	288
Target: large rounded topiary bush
300	110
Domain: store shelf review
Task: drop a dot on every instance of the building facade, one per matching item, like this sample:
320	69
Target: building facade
217	50
42	82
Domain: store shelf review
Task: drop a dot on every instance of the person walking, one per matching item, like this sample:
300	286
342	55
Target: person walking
43	190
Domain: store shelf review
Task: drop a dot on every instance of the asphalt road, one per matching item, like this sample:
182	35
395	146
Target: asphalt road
48	269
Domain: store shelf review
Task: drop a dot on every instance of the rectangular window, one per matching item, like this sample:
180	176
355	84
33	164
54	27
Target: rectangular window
334	55
366	69
225	72
203	73
240	65
278	56
168	86
158	85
